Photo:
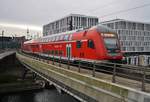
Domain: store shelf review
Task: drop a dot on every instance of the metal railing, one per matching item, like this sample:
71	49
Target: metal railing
138	73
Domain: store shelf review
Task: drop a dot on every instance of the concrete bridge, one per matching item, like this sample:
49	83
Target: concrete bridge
5	54
3	57
11	71
83	86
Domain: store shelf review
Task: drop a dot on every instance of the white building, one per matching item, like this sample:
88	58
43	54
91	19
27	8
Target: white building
134	38
70	22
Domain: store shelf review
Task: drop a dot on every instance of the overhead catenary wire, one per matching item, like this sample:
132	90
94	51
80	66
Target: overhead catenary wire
125	10
102	6
115	13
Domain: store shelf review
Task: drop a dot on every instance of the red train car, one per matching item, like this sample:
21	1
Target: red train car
96	43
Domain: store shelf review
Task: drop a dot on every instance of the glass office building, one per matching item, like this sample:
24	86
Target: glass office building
70	22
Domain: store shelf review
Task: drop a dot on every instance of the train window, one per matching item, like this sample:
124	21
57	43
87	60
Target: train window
66	38
79	44
52	38
52	52
56	52
91	44
60	52
61	37
57	38
49	52
70	37
34	46
48	39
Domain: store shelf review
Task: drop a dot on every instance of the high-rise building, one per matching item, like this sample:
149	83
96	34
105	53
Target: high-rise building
68	23
134	38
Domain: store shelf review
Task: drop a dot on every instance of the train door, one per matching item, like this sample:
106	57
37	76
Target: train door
68	50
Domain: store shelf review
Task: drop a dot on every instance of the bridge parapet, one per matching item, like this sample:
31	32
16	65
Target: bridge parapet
84	87
5	54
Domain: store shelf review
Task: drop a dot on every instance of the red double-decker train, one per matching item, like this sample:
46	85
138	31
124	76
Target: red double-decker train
96	43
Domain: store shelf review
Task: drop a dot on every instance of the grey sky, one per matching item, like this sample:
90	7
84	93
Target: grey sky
40	12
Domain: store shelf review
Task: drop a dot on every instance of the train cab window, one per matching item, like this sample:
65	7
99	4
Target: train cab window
91	44
79	44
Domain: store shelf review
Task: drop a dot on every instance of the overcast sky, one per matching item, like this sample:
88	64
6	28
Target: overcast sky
39	12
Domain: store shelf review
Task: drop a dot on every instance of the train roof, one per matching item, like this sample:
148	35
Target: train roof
103	29
99	28
62	33
30	41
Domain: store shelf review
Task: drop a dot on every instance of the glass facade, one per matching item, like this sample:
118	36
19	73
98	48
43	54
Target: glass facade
63	25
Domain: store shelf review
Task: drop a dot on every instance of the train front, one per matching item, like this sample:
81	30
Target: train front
111	44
